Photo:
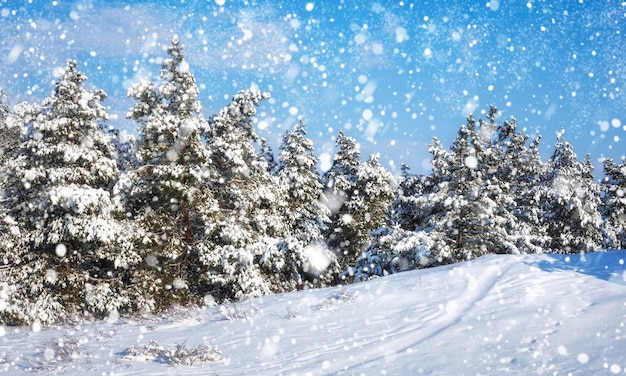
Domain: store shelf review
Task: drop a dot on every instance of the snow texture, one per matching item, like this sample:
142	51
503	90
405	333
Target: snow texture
543	314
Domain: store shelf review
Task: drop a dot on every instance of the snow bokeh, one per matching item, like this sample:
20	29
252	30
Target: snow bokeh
318	258
60	250
380	70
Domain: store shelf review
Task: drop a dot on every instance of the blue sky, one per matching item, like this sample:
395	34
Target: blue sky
392	74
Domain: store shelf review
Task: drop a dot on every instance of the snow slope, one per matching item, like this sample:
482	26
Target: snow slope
548	314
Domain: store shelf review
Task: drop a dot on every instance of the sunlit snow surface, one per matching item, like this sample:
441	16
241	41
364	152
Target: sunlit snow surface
519	314
393	74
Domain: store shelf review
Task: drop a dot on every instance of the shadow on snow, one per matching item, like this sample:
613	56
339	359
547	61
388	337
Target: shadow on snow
608	266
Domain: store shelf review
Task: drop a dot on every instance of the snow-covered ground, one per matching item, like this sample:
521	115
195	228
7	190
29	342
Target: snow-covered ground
549	314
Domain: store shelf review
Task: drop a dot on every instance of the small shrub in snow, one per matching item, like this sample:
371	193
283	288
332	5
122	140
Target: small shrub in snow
292	313
55	355
396	250
233	274
180	354
293	264
343	296
232	312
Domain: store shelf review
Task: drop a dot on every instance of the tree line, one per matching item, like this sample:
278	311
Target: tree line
200	210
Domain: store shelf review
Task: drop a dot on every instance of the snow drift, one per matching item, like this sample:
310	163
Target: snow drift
540	314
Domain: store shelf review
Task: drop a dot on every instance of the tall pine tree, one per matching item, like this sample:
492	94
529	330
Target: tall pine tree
570	203
11	131
359	195
249	201
171	192
306	213
339	186
614	201
68	249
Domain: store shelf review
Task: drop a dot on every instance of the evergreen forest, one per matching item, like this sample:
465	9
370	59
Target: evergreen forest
202	211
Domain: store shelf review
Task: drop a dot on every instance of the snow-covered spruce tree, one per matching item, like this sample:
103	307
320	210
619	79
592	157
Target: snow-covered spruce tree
614	201
486	181
426	202
520	172
307	216
245	189
339	186
11	130
359	195
569	201
249	201
67	248
469	199
510	169
170	193
414	237
302	259
389	248
405	210
266	157
466	210
374	191
410	240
